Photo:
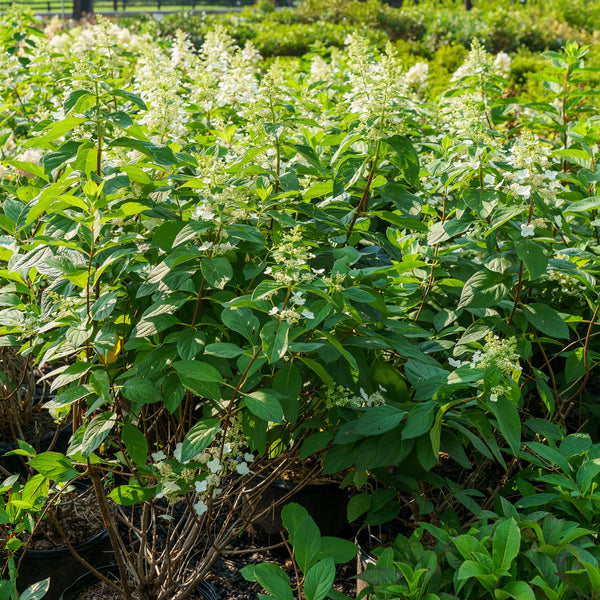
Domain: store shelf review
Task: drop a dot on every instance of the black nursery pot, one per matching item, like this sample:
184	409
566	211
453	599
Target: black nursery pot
204	588
325	502
61	566
14	463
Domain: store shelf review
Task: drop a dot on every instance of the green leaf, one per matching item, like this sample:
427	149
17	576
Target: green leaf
358	505
141	391
470	569
484	289
505	544
307	544
314	443
69	396
272	577
265	405
288	383
54	466
292	514
592	203
419	421
161	155
96	432
406	158
533	256
274	337
36	591
223	350
58	129
319	579
547	320
378	419
198	438
189	343
217	271
340	550
135	443
128	495
509	422
242	321
519	590
197	371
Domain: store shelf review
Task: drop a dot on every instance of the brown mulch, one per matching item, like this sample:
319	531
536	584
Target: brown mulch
79	516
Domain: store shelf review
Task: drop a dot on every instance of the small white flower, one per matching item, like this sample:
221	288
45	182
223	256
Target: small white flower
200	508
160	455
364	395
489	179
201	486
177	452
242	468
493	397
214	465
226	448
527	230
273	311
298	299
307	314
454	363
249	457
268	271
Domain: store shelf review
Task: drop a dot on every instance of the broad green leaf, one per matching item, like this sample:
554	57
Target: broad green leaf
135	443
69	396
484	289
223	350
292	514
517	590
342	551
274	337
509	422
129	495
197	370
358	505
96	432
307	544
319	579
505	544
36	591
265	405
419	420
547	320
198	438
217	271
189	343
242	321
272	577
54	466
533	256
141	391
314	443
379	419
58	129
